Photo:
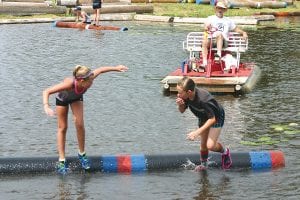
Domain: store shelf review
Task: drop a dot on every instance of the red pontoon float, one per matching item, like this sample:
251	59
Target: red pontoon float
228	75
81	25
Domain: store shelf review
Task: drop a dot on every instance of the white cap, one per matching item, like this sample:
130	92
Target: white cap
221	4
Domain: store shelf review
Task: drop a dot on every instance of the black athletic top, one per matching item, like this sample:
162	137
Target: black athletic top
71	95
204	106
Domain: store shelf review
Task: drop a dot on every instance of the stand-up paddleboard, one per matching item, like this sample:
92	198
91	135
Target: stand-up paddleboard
81	25
255	160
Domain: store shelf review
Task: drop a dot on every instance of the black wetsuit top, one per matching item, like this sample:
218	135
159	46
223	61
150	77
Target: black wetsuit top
67	97
204	107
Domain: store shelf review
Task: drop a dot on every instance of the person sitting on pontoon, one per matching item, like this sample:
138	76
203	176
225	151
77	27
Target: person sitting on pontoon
219	26
85	18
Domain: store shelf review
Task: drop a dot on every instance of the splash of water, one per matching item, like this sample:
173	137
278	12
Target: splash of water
189	165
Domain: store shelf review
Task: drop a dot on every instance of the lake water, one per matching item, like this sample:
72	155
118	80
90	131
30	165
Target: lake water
127	112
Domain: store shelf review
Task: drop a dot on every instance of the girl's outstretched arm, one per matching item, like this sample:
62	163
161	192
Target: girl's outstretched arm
118	68
66	84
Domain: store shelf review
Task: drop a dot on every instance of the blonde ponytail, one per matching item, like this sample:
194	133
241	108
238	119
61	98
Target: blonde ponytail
81	71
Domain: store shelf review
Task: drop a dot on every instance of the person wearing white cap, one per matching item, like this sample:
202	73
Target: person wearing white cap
220	27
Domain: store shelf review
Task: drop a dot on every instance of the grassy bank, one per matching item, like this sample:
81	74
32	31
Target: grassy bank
200	10
182	10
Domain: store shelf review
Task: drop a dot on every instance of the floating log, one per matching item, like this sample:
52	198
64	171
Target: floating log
253	4
202	1
240	4
24	4
142	163
153	18
87	26
244	20
139	9
86	2
68	3
117	17
271	4
264	17
289	2
34	20
191	20
31	1
30	10
90	2
279	14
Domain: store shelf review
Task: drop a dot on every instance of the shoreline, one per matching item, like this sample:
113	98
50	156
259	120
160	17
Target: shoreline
123	10
239	20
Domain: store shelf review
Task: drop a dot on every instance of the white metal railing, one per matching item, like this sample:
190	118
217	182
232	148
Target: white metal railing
236	44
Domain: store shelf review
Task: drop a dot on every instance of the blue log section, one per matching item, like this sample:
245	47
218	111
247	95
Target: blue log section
125	163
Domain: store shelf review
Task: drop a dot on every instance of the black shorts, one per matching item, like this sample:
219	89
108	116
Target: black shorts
66	103
97	5
220	120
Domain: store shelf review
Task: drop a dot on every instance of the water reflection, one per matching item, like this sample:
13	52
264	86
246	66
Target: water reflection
70	187
280	23
98	35
132	116
64	189
211	191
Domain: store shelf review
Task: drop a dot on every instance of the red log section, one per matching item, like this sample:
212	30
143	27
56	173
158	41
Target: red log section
80	25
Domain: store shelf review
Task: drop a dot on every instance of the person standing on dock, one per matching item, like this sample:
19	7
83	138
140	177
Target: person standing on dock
218	26
70	94
97	4
85	18
210	116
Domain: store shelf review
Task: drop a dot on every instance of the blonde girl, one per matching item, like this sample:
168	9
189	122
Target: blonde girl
70	94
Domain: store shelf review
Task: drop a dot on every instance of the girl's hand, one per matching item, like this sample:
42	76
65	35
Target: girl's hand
121	68
48	110
192	135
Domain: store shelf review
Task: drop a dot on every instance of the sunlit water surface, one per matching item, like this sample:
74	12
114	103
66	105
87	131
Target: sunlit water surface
127	113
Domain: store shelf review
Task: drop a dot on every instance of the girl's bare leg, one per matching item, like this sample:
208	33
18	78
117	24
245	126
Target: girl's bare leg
62	123
77	109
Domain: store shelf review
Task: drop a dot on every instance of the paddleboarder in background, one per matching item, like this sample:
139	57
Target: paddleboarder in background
97	4
85	18
70	94
210	116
